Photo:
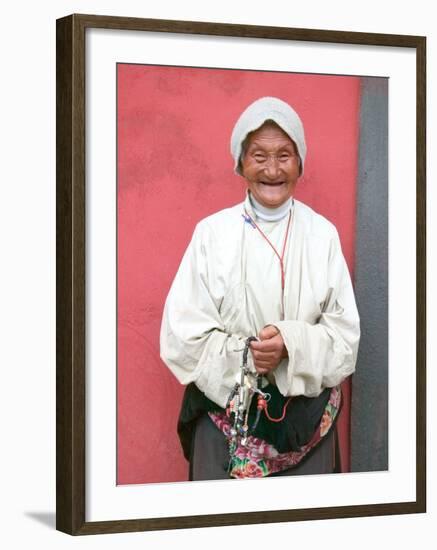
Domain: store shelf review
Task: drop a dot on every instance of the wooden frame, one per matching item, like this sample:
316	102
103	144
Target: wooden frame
71	247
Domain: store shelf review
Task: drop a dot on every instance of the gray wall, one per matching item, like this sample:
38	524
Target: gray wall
369	433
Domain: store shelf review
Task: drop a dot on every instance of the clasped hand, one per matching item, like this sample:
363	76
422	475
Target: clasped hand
269	351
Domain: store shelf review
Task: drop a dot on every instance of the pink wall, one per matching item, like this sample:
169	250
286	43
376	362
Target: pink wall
174	168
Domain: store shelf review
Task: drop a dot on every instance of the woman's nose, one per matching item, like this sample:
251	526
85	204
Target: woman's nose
271	167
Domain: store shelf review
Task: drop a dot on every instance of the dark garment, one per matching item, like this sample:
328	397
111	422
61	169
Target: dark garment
209	455
301	420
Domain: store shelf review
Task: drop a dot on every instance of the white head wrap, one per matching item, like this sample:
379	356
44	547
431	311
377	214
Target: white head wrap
268	108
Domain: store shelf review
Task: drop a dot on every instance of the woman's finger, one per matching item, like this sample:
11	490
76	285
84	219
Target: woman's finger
264	355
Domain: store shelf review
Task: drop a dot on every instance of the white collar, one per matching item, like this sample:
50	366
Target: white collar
270	214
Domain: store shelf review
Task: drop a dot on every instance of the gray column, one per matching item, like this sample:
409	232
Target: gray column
369	421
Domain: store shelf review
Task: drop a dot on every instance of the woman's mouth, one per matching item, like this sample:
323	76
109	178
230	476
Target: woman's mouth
272	183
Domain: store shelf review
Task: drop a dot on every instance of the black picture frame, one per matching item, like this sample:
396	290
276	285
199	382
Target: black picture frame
71	273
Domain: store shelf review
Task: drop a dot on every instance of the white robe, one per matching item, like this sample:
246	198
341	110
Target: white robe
228	287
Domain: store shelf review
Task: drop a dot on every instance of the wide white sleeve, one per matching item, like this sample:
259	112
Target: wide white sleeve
323	354
194	343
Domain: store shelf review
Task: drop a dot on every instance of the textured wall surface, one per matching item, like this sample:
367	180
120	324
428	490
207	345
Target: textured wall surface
174	168
370	382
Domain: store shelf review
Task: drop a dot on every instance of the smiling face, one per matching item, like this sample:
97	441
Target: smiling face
270	163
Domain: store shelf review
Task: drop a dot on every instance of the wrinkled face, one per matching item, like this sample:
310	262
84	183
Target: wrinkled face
271	165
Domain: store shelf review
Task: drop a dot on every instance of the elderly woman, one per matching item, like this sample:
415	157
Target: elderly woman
273	269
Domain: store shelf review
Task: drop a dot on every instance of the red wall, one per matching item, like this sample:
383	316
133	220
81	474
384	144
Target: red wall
174	168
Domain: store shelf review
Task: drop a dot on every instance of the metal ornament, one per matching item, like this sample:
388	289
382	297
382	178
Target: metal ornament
239	401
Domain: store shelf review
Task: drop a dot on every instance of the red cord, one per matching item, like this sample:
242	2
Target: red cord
262	404
280	257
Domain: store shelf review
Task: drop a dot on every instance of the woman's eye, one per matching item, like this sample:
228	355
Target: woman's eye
259	157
